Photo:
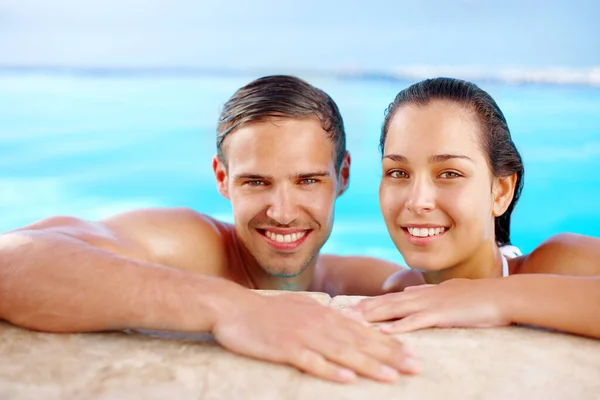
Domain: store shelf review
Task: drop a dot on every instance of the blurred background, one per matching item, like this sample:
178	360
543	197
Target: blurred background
112	105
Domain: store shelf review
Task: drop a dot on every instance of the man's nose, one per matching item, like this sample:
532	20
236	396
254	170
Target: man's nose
282	207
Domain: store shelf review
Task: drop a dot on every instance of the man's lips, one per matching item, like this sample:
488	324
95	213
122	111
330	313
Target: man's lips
284	239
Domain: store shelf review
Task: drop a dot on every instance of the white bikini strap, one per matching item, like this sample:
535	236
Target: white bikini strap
504	267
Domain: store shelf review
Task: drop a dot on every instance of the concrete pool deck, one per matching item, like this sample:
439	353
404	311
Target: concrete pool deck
498	363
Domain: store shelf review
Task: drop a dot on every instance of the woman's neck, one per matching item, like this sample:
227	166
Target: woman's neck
484	263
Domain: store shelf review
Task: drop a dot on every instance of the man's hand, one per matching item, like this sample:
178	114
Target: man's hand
454	303
296	330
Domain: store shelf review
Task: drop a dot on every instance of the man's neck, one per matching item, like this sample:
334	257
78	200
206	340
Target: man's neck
486	263
260	279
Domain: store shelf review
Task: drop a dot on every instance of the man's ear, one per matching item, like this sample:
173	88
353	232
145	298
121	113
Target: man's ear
344	175
220	176
504	190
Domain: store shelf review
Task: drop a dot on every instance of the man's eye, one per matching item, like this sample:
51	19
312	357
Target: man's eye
308	181
397	174
254	183
450	175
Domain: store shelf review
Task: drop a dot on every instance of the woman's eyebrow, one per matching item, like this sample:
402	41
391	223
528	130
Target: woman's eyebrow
397	158
440	158
436	159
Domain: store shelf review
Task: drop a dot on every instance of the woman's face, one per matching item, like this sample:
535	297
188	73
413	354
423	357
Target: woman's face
437	193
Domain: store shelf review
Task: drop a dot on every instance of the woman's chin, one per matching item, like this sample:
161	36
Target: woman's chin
425	263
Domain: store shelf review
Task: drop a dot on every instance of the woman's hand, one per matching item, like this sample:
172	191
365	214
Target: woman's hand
454	303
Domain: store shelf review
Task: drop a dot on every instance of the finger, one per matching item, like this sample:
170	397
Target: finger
411	323
374	302
397	306
354	315
382	349
350	357
417	287
315	364
388	351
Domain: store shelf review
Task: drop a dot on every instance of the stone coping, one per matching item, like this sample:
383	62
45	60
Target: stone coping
496	363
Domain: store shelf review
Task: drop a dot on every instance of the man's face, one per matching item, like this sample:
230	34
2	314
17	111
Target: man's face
282	184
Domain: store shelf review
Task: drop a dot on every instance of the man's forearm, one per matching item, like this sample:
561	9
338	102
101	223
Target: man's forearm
565	303
52	282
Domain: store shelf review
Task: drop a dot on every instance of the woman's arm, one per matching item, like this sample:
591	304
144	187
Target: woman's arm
566	303
557	286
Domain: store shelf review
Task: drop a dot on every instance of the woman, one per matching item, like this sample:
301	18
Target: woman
451	179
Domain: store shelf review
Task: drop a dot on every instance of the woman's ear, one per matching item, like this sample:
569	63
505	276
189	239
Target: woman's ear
504	190
220	176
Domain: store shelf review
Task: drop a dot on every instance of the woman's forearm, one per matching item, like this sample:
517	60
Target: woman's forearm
565	303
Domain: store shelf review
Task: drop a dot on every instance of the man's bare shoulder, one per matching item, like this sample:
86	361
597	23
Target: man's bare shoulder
177	237
563	254
352	275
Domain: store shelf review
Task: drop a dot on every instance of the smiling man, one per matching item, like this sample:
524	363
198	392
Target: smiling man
282	162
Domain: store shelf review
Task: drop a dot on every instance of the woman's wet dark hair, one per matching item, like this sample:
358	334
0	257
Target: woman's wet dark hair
502	155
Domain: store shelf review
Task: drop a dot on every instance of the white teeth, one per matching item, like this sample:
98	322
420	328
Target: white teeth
424	232
285	238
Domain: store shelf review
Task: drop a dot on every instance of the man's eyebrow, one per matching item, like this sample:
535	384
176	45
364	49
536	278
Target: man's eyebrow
439	158
317	174
306	175
252	177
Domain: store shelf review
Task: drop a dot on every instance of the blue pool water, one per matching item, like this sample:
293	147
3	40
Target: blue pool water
91	146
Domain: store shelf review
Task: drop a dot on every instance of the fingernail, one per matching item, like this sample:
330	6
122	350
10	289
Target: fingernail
346	375
385	327
412	365
388	373
409	351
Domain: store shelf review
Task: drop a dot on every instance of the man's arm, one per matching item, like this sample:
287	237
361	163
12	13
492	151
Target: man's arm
68	275
64	275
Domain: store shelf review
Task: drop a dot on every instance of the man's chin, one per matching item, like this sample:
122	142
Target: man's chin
285	272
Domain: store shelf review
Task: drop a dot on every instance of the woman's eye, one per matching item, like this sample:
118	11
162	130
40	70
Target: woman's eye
450	175
397	174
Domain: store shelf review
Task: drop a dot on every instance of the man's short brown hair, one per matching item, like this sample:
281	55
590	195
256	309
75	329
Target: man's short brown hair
281	96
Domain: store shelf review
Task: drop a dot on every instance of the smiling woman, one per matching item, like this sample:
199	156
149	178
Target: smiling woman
451	178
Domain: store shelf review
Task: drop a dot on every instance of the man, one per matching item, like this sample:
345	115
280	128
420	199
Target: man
281	161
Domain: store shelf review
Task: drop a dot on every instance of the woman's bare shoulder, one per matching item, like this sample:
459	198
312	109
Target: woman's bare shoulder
563	254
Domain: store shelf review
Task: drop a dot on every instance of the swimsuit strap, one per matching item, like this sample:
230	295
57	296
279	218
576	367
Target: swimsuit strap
504	267
508	251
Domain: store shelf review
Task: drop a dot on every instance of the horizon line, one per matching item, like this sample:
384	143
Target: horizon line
586	76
